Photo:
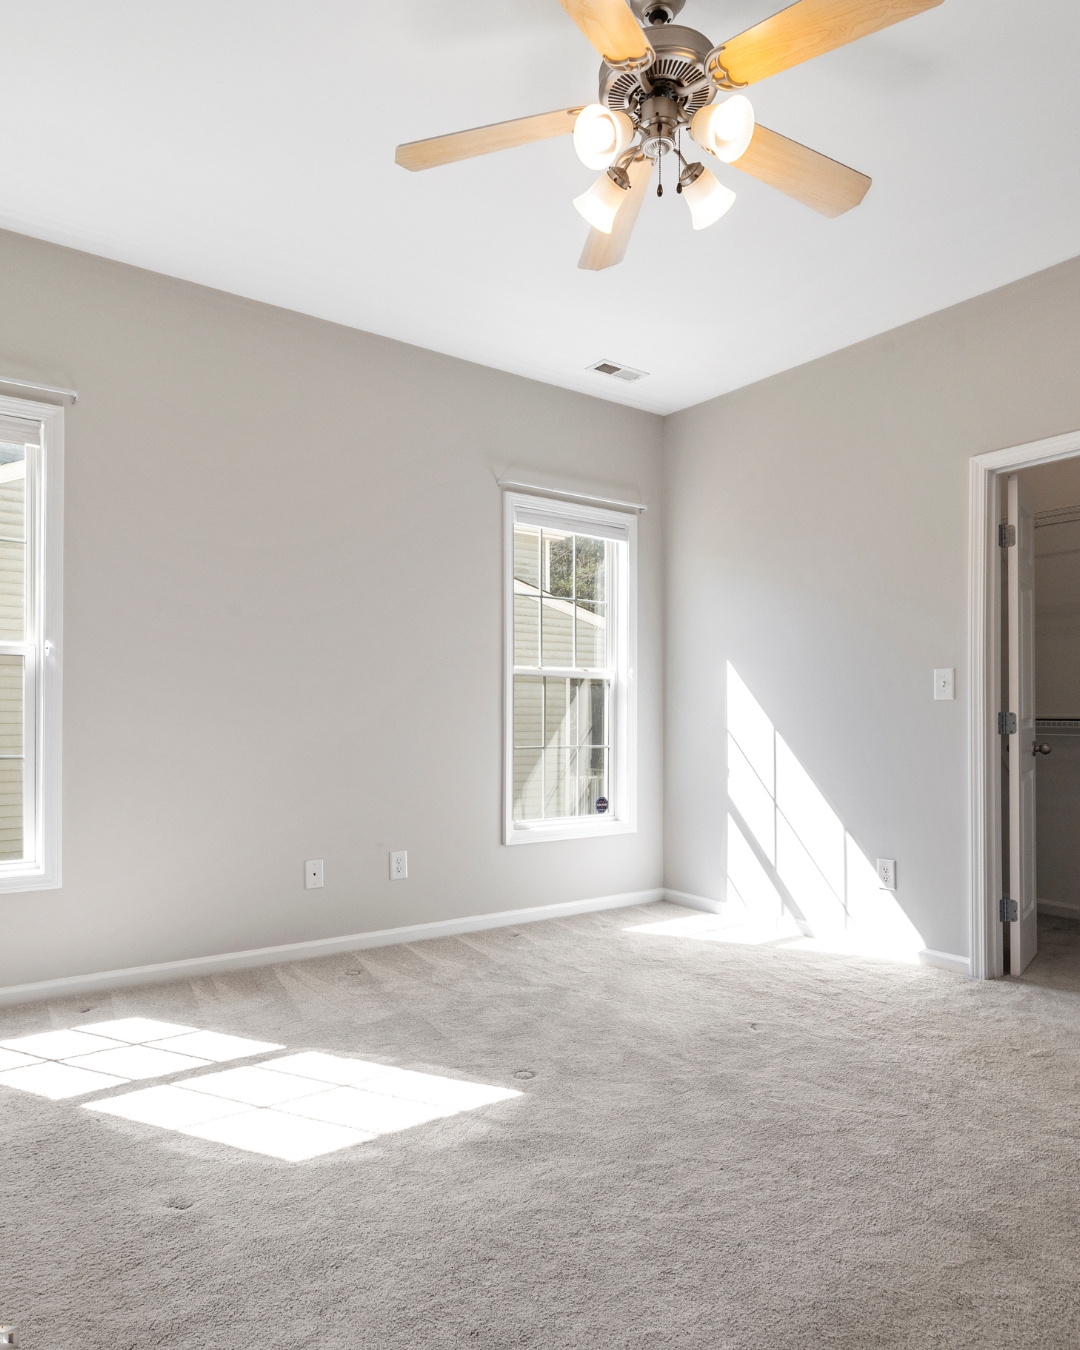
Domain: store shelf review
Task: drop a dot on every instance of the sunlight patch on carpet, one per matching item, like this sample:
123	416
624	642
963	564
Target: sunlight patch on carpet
295	1107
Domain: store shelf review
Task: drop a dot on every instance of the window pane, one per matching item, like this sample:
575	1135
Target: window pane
527	555
591	568
528	710
573	781
11	705
12	542
558	563
557	712
558	633
528	784
556	783
590	782
526	631
590	712
591	634
11	766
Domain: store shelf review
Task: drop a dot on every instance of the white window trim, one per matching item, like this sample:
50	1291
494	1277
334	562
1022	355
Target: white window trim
623	771
42	871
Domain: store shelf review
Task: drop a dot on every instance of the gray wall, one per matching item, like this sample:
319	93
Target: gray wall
816	538
283	614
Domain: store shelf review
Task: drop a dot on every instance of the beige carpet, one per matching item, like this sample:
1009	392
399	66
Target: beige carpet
715	1146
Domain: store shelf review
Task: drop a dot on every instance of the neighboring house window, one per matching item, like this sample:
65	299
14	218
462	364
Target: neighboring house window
31	488
569	717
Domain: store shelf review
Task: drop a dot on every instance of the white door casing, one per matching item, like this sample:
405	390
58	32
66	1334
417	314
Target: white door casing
1023	932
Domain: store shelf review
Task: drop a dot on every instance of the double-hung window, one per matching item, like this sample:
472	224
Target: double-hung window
31	462
569	717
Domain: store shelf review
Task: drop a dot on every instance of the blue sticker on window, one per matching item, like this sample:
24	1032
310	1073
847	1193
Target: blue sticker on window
601	805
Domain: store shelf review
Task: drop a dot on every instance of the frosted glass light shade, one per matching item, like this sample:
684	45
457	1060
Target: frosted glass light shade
600	205
600	135
707	200
725	129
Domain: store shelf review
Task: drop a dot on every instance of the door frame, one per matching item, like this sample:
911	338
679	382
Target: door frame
984	682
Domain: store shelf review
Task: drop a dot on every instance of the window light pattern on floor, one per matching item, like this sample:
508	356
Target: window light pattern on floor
302	1105
295	1107
99	1055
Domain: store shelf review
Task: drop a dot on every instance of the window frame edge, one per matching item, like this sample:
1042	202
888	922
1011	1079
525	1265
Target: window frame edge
625	692
45	873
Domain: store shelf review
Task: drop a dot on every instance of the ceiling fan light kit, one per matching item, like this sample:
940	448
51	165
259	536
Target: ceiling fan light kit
707	198
725	129
658	77
600	205
601	135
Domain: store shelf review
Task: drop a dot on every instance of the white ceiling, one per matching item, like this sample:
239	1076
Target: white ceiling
249	145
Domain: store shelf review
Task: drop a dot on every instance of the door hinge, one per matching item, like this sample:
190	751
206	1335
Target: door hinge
1006	724
1008	910
1006	536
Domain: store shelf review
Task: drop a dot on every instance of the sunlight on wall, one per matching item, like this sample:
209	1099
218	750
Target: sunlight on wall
296	1107
794	861
795	876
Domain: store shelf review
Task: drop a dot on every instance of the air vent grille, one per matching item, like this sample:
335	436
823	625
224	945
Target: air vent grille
618	372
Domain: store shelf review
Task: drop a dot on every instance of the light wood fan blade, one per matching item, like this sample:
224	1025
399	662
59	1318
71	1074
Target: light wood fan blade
612	29
806	29
815	180
606	250
416	155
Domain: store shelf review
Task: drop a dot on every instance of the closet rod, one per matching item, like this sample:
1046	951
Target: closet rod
562	492
40	388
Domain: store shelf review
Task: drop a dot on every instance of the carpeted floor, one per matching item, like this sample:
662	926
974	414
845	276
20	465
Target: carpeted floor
715	1146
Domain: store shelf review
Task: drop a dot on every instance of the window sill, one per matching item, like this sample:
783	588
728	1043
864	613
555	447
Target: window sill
563	829
29	878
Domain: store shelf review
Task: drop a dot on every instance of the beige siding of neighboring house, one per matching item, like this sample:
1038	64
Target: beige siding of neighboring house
551	714
12	622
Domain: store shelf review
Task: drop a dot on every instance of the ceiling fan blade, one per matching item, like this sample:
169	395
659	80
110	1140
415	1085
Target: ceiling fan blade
605	250
803	30
815	180
612	29
416	155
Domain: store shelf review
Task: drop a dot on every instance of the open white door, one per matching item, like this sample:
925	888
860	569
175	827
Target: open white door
1023	930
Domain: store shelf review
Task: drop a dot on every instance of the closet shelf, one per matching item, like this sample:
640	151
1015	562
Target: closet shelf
1058	726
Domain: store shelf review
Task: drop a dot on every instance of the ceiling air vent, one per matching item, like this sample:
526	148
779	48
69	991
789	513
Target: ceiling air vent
619	372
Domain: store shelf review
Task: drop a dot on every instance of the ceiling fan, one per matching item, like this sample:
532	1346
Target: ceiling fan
658	78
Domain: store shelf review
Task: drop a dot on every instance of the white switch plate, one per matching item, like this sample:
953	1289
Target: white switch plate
399	866
886	870
313	874
945	682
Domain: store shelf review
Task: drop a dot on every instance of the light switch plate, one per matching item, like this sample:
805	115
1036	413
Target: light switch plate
886	870
945	682
313	874
399	865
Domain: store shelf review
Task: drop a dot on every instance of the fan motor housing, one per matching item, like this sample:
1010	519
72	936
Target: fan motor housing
678	73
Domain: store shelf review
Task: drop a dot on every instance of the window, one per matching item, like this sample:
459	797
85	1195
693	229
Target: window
31	462
569	723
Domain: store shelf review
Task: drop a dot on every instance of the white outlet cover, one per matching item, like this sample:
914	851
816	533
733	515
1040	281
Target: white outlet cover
886	870
399	865
313	874
945	682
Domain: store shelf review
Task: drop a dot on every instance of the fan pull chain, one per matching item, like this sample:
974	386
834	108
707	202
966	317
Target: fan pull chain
660	175
678	151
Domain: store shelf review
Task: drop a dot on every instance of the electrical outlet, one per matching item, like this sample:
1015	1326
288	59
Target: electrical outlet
945	682
886	870
399	866
313	874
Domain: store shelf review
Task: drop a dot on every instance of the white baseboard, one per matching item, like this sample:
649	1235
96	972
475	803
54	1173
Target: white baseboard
694	901
1058	911
195	967
959	965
